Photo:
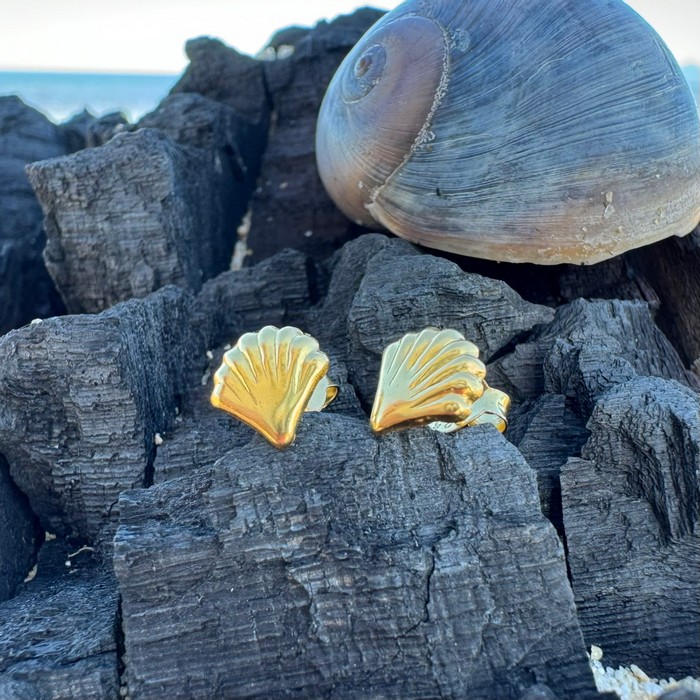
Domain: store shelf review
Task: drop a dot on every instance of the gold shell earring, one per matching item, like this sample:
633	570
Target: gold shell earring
435	378
270	378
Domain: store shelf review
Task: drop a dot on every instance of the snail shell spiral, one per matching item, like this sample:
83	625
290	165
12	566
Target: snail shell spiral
544	131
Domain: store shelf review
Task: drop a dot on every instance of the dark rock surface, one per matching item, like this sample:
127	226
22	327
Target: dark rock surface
276	292
26	134
630	507
547	433
589	346
18	541
328	320
197	439
557	377
58	636
235	142
76	130
402	293
104	129
597	345
128	218
673	266
221	73
82	398
387	568
26	290
296	85
617	278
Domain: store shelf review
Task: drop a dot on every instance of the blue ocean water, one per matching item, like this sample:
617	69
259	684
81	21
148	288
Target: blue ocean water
61	95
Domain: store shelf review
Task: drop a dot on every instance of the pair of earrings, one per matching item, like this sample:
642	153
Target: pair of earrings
432	378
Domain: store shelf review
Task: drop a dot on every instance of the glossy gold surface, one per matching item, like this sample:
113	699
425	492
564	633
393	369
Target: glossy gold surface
492	407
435	378
270	378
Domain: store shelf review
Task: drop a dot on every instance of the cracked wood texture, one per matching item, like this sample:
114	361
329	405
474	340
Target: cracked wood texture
18	534
630	506
26	290
127	218
291	206
558	375
673	266
588	347
82	398
224	75
402	292
391	568
58	636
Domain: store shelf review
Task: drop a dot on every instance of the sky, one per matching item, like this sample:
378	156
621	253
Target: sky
147	36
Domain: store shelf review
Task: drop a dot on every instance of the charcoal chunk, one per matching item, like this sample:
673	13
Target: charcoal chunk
235	143
18	540
275	292
132	216
82	398
616	278
195	120
600	344
26	290
630	508
76	130
547	433
196	441
589	347
350	567
672	267
328	320
291	207
105	128
26	134
221	73
59	634
406	293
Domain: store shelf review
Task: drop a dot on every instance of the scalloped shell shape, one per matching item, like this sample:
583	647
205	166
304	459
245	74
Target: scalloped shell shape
268	379
546	131
490	408
434	375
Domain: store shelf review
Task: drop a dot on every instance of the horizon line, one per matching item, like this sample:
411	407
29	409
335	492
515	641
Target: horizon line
92	71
